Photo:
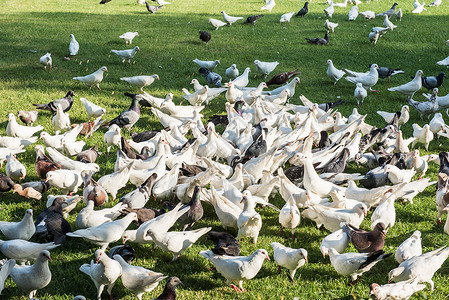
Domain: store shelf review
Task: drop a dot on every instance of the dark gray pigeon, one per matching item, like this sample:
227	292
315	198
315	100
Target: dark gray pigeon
365	241
88	156
337	165
143	214
6	183
385	72
431	82
211	77
169	292
319	41
389	12
303	10
66	103
195	211
225	243
152	9
50	222
125	251
329	105
205	36
140	196
252	19
143	136
130	116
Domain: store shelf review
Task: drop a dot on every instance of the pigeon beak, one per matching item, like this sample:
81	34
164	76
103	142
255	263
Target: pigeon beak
267	257
49	258
324	255
243	198
305	258
389	280
97	260
364	213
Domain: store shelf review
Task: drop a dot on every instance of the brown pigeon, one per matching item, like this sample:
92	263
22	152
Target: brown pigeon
364	241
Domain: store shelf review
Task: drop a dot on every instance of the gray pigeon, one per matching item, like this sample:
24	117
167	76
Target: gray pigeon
5	270
385	72
195	211
169	292
66	103
130	116
88	156
140	196
389	12
152	9
35	277
211	77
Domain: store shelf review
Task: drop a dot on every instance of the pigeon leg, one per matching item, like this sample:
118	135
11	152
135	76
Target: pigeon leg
236	289
279	269
439	221
282	230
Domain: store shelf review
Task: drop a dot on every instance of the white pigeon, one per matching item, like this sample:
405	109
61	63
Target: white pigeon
208	64
93	79
269	5
385	212
373	36
398	291
368	80
104	271
265	67
423	135
141	81
60	120
66	180
14	168
162	2
443	62
388	117
249	221
416	4
388	23
410	88
330	26
93	110
233	94
138	279
127	54
355	264
341	4
70	164
5	270
106	233
286	17
232	72
399	14
197	98
15	143
217	23
23	251
112	137
113	182
333	73
289	216
88	217
360	93
242	80
436	124
419	9
176	242
329	11
237	268
353	13
436	3
46	60
35	277
289	258
128	37
14	129
396	175
74	47
368	14
338	240
23	230
409	248
421	267
229	19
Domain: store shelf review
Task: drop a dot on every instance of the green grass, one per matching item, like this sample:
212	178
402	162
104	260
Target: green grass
169	41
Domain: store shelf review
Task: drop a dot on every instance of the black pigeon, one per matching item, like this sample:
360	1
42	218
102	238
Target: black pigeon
303	10
294	173
130	116
152	9
88	156
444	163
324	140
50	222
195	211
364	241
385	72
6	183
329	105
143	136
337	165
169	292
252	19
431	82
223	119
374	178
104	1
205	36
225	244
282	78
258	147
319	41
211	77
125	251
66	103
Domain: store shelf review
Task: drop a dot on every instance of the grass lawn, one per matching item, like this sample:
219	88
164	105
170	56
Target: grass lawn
169	41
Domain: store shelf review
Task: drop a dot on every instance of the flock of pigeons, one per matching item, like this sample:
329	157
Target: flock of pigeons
268	147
